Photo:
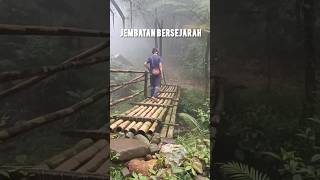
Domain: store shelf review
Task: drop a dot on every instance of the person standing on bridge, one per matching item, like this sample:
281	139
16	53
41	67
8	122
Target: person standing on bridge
156	73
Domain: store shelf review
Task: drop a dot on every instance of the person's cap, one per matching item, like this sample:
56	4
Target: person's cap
155	50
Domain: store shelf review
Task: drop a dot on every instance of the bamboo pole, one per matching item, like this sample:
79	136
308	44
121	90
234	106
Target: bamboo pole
130	126
127	83
26	83
122	126
124	71
173	117
14	75
135	128
144	128
115	124
164	129
54	161
51	117
125	98
7	29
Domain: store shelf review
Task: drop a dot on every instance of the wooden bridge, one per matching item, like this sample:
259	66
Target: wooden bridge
89	158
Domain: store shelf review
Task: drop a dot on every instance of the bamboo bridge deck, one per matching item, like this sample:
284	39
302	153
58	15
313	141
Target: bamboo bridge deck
149	116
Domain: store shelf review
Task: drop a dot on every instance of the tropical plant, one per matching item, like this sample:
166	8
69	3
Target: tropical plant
240	171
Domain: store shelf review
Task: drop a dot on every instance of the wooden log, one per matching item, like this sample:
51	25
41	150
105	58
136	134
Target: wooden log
122	126
27	83
125	98
79	159
54	161
7	29
126	83
115	124
124	71
51	117
135	128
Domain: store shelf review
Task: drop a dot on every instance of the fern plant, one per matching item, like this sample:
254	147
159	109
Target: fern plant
239	171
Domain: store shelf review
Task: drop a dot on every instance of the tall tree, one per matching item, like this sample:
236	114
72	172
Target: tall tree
310	55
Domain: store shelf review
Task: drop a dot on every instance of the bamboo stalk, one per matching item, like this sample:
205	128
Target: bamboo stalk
144	128
115	124
125	98
135	128
124	71
14	75
130	126
164	129
7	29
122	126
173	118
153	110
51	117
146	111
26	83
122	85
54	161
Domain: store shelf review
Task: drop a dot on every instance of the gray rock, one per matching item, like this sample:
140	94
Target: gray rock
156	138
125	171
142	138
128	148
130	135
154	148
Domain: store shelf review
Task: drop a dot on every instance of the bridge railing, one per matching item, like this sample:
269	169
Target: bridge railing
34	76
114	87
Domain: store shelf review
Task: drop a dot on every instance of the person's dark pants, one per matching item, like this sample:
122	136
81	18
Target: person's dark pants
155	85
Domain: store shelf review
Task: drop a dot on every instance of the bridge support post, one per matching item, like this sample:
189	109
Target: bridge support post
146	84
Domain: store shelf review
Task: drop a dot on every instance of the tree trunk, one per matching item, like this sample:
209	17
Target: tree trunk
310	58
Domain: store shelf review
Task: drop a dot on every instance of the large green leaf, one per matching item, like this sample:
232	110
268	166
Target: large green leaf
239	171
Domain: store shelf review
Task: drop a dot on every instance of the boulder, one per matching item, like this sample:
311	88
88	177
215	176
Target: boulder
174	153
154	148
156	138
142	138
127	149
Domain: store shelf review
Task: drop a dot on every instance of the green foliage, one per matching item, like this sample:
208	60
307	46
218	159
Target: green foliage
15	174
239	171
115	173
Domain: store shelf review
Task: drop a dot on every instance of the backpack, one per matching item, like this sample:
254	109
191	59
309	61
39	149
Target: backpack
155	71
